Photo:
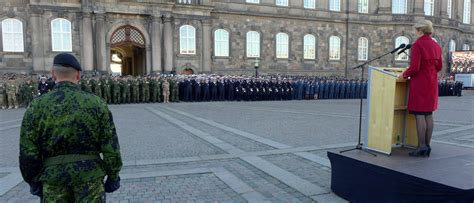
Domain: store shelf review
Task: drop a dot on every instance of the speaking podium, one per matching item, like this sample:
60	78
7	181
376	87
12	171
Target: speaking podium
389	123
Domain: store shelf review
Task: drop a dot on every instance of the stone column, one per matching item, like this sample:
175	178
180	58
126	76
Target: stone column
37	44
206	46
87	43
100	48
156	44
148	59
168	40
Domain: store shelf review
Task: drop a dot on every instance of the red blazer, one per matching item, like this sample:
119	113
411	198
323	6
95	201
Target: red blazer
425	63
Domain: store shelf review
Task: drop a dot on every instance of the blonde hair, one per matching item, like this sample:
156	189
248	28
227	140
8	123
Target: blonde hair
424	26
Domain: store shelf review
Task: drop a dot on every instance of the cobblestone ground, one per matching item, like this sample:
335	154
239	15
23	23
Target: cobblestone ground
230	151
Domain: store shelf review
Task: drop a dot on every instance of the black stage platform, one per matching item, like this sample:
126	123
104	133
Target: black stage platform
446	176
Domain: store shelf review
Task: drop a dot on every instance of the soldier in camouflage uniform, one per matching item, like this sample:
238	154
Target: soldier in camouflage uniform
107	90
61	140
3	95
116	91
146	90
29	92
174	90
12	91
155	89
97	87
135	91
125	89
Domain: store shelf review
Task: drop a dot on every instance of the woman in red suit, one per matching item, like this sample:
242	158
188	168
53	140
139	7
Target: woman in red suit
425	63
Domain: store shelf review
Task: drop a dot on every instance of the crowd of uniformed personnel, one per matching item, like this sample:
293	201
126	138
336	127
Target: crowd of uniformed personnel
450	88
19	90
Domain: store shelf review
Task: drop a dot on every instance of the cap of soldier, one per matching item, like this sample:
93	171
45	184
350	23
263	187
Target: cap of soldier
68	60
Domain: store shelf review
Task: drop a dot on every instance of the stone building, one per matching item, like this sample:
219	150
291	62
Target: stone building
315	37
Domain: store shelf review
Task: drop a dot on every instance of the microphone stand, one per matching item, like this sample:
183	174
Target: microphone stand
362	67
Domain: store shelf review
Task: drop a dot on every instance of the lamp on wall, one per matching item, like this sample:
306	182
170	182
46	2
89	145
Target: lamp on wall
256	66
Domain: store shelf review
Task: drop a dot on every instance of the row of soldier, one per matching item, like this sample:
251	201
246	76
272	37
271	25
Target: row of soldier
19	91
450	88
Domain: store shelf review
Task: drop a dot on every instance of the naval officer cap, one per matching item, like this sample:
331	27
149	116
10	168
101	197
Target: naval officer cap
67	60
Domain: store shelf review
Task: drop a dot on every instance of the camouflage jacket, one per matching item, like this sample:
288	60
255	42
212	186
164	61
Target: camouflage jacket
66	121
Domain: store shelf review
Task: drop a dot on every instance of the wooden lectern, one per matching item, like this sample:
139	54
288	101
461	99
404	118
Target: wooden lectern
389	123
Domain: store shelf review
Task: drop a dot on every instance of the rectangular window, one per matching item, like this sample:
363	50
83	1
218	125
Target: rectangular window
429	7
334	48
363	6
363	49
253	44
221	43
467	12
309	47
282	45
253	1
399	6
311	4
450	8
282	2
335	5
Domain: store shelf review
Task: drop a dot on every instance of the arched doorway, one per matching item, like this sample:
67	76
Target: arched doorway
127	51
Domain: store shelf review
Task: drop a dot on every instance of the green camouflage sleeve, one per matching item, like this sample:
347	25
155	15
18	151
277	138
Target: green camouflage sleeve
110	147
30	156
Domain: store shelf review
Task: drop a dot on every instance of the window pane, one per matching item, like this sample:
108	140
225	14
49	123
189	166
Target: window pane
309	4
334	48
467	12
363	6
253	44
335	5
363	48
12	35
309	47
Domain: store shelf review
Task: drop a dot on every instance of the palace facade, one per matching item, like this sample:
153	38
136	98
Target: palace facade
314	37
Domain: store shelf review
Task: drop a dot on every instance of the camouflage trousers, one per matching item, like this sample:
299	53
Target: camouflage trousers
12	100
3	101
84	192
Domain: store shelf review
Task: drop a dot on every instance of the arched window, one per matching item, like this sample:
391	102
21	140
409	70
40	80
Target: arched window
282	43
253	44
12	35
187	39
221	43
309	42
450	8
363	49
61	35
452	45
399	6
429	7
334	48
398	41
363	6
335	5
466	47
310	4
467	12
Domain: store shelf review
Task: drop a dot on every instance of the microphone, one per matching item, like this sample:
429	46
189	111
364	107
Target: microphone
404	49
398	48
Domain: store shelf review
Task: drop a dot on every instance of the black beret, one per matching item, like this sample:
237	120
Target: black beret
68	60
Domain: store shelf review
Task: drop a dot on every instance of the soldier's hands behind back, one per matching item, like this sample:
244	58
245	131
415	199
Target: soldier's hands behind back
36	189
111	185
